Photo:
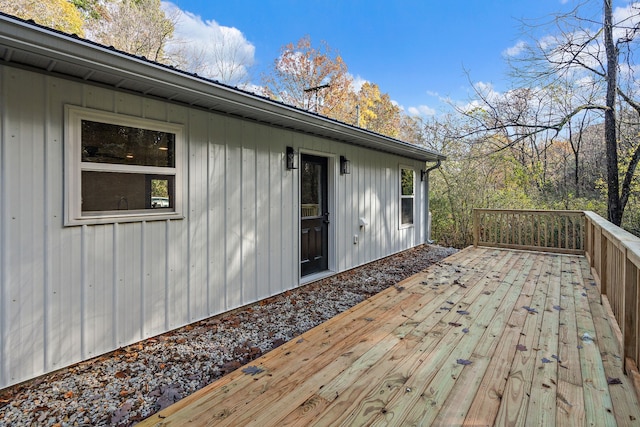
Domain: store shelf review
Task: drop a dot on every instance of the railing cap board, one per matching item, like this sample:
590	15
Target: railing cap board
633	252
532	211
611	229
622	239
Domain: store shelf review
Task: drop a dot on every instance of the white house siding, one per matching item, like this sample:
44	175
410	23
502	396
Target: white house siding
71	293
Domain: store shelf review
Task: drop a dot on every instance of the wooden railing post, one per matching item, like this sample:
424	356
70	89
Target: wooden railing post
476	228
631	306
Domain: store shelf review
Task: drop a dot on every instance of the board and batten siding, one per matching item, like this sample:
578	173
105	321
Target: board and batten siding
68	294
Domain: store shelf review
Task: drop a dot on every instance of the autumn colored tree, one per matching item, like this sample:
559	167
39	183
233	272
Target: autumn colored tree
310	78
58	14
376	111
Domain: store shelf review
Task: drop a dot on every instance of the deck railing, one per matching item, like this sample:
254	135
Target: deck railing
549	231
613	254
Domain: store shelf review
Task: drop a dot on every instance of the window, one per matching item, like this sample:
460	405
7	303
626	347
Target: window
407	178
120	168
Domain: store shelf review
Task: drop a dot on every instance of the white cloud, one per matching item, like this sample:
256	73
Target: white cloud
421	110
208	48
515	50
357	82
626	19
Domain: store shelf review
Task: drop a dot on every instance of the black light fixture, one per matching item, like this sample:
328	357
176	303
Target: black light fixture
345	166
292	158
423	175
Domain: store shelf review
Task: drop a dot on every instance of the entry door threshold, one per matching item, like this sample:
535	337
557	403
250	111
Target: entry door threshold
316	276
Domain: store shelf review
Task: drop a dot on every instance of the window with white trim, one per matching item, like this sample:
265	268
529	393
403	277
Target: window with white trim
407	192
120	168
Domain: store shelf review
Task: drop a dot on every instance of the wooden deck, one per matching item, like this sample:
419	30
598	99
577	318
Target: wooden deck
486	337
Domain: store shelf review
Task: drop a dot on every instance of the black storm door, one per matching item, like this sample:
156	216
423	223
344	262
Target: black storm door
314	216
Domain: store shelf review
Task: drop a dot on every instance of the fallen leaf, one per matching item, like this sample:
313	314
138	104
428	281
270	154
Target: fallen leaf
168	395
545	360
68	394
612	381
445	308
230	366
252	370
462	312
586	337
454	324
530	309
121	413
557	307
277	342
465	330
120	374
521	347
463	362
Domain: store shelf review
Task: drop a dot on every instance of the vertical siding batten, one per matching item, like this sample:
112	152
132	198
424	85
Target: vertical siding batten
197	198
248	213
116	294
217	225
262	194
4	336
45	236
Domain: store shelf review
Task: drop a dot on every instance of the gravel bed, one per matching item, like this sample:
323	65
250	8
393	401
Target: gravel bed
131	383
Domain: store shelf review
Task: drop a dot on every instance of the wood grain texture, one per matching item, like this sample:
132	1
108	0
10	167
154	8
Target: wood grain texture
401	357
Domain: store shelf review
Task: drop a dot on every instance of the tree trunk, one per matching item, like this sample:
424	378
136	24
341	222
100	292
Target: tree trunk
614	206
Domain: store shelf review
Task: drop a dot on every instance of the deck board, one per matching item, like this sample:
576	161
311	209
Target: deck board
394	359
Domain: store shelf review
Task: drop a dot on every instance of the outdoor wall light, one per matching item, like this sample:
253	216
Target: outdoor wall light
345	166
292	158
423	175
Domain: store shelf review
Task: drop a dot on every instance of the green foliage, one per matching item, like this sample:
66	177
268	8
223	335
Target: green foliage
159	188
407	182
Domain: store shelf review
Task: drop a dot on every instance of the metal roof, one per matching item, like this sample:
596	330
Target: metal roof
27	44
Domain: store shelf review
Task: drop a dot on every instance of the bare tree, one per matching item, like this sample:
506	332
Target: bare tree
582	51
209	49
139	27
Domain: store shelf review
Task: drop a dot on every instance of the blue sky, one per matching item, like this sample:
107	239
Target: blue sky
417	51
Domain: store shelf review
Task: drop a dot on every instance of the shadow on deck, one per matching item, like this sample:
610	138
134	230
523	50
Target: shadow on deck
485	337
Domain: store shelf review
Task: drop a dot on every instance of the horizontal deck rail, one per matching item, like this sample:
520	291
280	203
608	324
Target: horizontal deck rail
613	254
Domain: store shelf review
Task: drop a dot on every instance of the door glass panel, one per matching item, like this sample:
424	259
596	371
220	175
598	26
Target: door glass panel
311	191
